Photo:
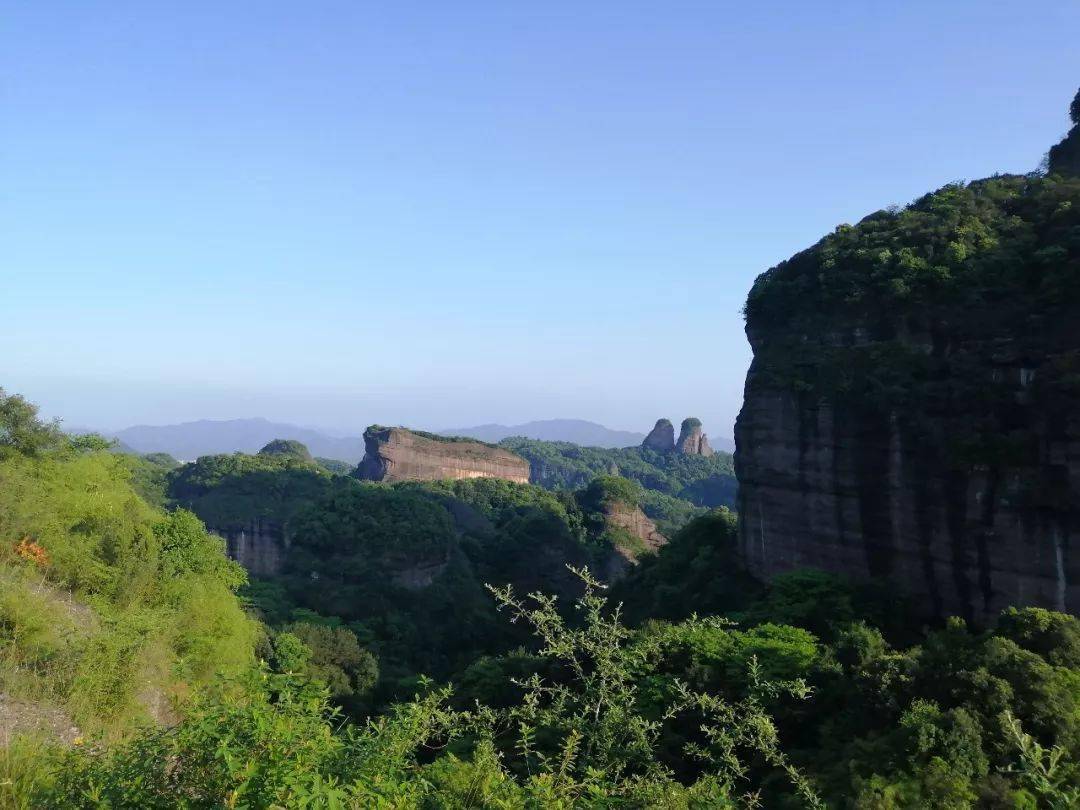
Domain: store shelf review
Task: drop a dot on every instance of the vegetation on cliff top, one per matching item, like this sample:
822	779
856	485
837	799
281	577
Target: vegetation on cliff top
287	447
993	250
435	437
228	491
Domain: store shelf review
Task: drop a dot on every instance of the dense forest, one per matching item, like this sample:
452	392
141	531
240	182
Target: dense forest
675	487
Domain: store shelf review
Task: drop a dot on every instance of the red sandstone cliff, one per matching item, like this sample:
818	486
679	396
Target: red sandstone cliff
398	454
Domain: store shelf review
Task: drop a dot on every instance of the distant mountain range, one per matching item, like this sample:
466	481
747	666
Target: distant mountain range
578	431
189	440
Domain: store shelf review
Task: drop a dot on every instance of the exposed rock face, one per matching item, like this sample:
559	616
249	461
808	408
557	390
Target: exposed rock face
931	439
397	454
692	442
859	493
645	538
259	546
661	438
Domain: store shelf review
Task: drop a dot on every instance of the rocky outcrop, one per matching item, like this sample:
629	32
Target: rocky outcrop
692	442
632	533
398	454
661	438
259	546
912	412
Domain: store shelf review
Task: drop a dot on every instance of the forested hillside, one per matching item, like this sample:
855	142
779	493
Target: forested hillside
673	483
112	612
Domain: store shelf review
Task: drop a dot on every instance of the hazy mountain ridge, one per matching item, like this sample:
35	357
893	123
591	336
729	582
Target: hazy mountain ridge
204	437
576	431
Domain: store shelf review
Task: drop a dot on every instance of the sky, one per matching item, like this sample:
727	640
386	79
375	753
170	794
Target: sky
452	213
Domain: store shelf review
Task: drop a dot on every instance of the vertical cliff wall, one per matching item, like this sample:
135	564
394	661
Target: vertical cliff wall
397	454
912	411
259	546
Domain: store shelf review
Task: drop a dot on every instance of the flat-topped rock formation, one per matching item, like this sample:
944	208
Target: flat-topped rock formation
398	454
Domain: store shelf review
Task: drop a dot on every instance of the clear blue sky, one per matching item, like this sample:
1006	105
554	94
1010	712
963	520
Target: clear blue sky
449	213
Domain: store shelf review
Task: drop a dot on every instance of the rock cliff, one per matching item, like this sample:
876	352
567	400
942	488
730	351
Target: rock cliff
912	412
397	454
633	534
259	546
661	438
614	519
692	442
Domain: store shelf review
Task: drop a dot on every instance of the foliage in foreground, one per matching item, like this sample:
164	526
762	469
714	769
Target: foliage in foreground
111	611
587	738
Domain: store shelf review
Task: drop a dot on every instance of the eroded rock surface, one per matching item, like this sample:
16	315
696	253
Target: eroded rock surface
259	545
643	536
661	438
692	441
398	454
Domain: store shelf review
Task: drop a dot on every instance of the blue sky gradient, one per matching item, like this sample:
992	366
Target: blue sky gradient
337	213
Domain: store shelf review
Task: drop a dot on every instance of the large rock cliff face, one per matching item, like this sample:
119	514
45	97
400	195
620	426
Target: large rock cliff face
259	546
913	408
397	454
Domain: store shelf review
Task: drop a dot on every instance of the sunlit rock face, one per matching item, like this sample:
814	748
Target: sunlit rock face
397	454
927	436
692	441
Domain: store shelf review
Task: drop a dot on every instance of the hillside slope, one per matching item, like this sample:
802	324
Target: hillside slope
111	612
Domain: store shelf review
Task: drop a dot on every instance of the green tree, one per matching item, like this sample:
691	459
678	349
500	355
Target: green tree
20	429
